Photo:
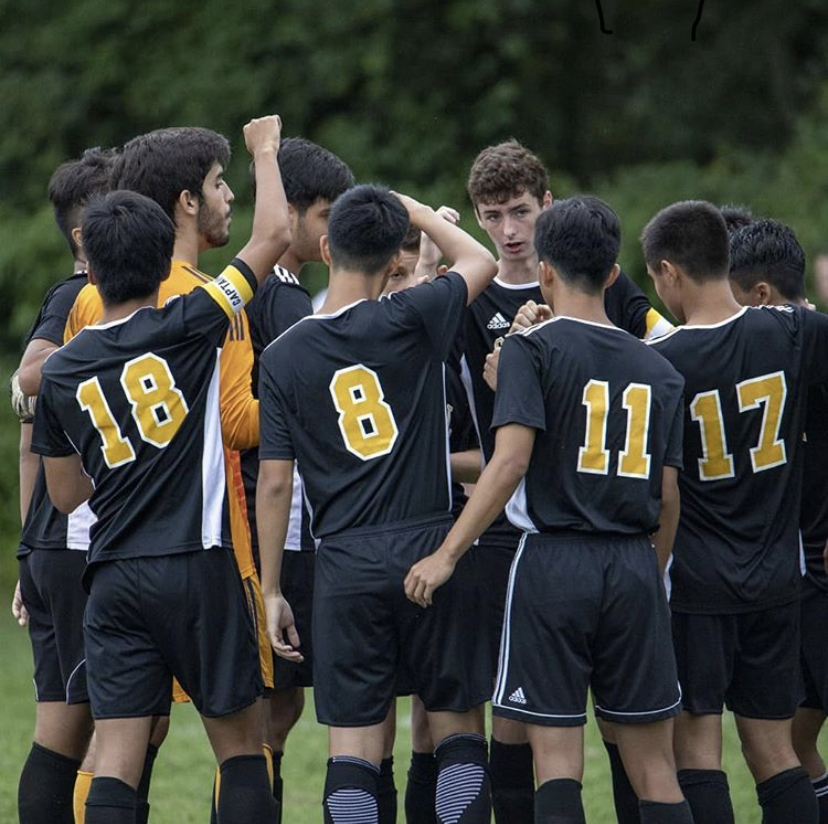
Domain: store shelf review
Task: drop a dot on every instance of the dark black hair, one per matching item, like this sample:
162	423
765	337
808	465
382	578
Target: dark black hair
691	234
580	237
309	173
736	217
74	183
768	250
366	228
128	240
411	241
163	163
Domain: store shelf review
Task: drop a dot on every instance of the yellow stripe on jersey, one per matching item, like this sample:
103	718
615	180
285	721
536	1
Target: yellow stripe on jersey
230	290
656	325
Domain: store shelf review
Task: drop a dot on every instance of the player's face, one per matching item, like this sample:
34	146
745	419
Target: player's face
511	225
402	276
214	214
308	229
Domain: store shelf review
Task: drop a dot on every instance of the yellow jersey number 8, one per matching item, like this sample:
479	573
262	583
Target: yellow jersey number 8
158	408
366	421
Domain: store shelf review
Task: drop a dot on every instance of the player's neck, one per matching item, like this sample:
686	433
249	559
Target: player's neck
345	288
518	271
574	304
291	262
186	248
706	304
123	310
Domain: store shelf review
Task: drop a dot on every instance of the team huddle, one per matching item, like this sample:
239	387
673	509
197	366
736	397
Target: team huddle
458	478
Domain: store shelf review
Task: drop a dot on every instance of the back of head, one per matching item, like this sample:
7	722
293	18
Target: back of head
74	183
768	250
736	217
580	237
164	163
691	235
366	228
507	170
309	173
129	242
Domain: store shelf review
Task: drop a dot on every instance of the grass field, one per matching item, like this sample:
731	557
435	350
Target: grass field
183	773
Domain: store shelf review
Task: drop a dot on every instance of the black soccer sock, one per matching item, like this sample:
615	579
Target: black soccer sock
46	788
626	801
708	794
820	786
463	788
513	782
788	796
387	792
559	802
110	801
142	807
351	791
656	812
278	785
421	790
244	790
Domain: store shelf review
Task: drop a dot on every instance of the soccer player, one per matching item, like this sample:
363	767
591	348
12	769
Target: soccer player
735	575
313	179
508	187
52	552
586	410
355	395
767	268
128	417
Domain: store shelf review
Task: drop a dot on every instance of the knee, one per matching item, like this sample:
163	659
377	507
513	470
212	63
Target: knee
285	709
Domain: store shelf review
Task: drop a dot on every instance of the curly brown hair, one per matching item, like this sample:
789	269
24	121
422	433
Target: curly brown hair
504	171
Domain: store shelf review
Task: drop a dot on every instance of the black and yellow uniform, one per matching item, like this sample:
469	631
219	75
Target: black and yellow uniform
358	399
586	605
736	572
137	399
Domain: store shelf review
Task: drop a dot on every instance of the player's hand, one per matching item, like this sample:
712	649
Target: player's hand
18	607
530	314
263	134
490	368
430	254
426	576
281	624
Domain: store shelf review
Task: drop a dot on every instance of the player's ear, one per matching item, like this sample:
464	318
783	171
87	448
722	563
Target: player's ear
612	276
187	202
77	239
762	294
547	199
670	271
325	250
546	273
293	219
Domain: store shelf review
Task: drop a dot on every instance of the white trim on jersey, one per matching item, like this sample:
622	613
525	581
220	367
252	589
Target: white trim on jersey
315	317
654	341
517	509
78	524
447	425
516	286
293	539
213	482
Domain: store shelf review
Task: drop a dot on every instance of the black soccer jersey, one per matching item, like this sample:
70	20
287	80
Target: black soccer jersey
358	399
489	317
138	400
746	382
45	526
280	302
814	521
608	416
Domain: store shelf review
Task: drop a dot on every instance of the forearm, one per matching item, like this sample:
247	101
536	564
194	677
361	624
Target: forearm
29	463
466	466
668	525
272	516
68	485
31	363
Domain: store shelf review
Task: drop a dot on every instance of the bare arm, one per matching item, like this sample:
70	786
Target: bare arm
69	486
270	235
466	466
472	261
274	492
513	449
669	519
29	463
28	374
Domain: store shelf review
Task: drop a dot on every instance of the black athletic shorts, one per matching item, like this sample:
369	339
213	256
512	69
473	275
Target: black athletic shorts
813	616
297	587
365	630
493	564
584	611
748	662
50	585
185	615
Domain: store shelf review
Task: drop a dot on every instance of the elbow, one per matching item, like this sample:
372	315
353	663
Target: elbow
28	379
65	503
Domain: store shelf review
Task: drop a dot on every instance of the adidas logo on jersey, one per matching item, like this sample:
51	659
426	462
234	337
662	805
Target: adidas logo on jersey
498	322
517	697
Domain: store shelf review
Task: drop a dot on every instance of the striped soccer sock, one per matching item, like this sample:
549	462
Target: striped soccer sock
351	791
463	788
